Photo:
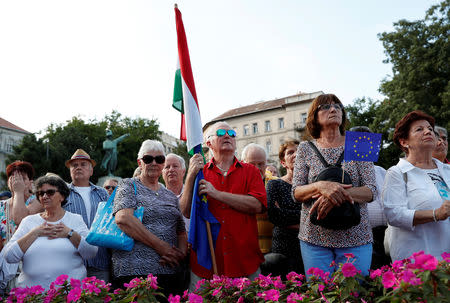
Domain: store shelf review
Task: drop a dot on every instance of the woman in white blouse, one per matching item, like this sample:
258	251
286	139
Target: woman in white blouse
50	243
416	192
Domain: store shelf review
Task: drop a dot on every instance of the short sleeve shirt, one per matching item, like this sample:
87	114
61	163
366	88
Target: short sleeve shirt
237	248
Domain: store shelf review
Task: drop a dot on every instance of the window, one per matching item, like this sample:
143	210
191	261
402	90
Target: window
9	145
268	147
255	128
267	127
303	118
280	123
246	130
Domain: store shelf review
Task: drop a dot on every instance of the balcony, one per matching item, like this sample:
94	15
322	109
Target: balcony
299	126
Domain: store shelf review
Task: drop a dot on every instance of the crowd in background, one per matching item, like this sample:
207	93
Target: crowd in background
268	223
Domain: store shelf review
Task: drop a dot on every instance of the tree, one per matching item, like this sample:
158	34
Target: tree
59	142
419	52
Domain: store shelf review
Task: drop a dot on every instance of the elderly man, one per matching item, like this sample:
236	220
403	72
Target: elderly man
173	173
235	193
110	185
256	155
83	200
441	150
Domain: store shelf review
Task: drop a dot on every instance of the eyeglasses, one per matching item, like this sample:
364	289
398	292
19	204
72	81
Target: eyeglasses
222	132
49	192
108	187
149	159
327	106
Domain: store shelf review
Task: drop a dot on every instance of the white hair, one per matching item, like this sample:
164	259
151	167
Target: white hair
440	129
150	145
180	159
249	147
213	128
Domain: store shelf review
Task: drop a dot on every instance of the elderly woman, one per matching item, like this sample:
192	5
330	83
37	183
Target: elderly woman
416	192
284	212
321	246
441	150
160	239
50	243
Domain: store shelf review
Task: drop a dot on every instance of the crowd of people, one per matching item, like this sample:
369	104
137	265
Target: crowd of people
268	223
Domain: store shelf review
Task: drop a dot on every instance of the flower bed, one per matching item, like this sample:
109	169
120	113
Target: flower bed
420	278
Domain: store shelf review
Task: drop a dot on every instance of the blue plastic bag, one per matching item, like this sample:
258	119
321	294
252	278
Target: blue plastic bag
104	231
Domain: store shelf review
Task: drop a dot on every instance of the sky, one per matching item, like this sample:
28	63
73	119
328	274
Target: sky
60	59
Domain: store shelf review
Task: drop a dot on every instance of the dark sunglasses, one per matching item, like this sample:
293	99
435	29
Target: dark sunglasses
49	192
327	106
110	187
222	132
149	159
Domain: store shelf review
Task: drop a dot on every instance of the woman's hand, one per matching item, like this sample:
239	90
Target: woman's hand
334	192
44	230
59	231
170	255
443	212
323	207
16	183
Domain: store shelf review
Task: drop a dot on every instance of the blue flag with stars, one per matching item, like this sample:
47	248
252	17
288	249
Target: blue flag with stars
360	146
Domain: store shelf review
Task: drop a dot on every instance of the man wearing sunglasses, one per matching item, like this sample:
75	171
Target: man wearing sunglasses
235	193
83	200
110	185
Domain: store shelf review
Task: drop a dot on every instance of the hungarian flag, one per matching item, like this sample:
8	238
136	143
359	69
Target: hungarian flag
184	95
185	101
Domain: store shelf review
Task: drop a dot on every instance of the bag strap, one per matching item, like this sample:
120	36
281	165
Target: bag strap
322	159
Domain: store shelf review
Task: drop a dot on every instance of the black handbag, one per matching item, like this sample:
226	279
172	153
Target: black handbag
340	217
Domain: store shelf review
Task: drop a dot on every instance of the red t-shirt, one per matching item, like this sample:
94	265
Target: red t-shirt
237	248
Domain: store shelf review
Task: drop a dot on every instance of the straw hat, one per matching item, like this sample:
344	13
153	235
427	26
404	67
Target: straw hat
80	155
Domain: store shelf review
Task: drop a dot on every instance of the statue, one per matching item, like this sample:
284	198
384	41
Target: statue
109	162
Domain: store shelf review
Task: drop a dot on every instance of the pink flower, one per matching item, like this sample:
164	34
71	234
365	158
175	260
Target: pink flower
278	283
107	299
74	294
174	299
446	256
294	298
186	293
388	279
349	255
133	283
321	287
348	270
216	291
375	273
193	298
153	281
61	279
199	284
269	295
427	262
240	300
75	283
241	283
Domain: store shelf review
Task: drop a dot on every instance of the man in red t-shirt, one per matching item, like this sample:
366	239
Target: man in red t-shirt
236	193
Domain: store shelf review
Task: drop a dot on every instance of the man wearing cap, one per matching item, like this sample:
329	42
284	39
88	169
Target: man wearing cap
83	200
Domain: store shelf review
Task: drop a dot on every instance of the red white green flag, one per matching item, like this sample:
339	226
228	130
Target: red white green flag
184	95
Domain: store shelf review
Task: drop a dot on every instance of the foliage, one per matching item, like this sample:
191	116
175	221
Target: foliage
420	278
59	142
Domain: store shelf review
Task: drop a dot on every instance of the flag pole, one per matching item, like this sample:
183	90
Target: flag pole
211	248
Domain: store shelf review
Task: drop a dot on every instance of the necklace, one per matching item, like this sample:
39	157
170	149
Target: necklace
224	172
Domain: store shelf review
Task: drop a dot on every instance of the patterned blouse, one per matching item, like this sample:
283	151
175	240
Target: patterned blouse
162	217
7	225
307	166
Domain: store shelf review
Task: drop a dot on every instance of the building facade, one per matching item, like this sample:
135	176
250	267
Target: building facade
169	142
10	136
268	123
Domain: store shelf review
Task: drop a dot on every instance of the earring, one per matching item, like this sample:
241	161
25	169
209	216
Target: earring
407	146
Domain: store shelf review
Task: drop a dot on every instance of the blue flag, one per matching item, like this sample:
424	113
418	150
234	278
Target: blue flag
200	213
361	146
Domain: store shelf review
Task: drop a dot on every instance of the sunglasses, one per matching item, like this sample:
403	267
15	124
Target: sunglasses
108	187
149	159
327	106
49	192
222	132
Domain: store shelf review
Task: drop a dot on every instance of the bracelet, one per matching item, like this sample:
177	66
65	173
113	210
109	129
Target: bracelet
434	215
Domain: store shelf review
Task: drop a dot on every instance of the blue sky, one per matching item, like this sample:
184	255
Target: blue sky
64	58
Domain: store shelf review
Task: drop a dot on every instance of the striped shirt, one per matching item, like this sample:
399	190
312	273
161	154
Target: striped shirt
75	204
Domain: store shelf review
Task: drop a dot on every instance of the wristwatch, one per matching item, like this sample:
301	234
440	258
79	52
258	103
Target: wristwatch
70	234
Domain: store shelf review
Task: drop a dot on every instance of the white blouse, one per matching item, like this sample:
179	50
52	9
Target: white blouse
406	189
46	259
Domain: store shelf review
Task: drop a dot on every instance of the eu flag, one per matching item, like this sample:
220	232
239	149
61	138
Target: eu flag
360	146
200	214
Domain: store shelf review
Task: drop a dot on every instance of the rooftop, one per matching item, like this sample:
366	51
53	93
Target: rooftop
9	125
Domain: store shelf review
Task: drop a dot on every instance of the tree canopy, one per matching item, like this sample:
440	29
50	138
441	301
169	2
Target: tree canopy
59	142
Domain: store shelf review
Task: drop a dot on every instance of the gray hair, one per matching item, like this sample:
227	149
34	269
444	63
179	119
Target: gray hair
250	147
180	159
137	172
440	129
150	145
213	128
56	181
